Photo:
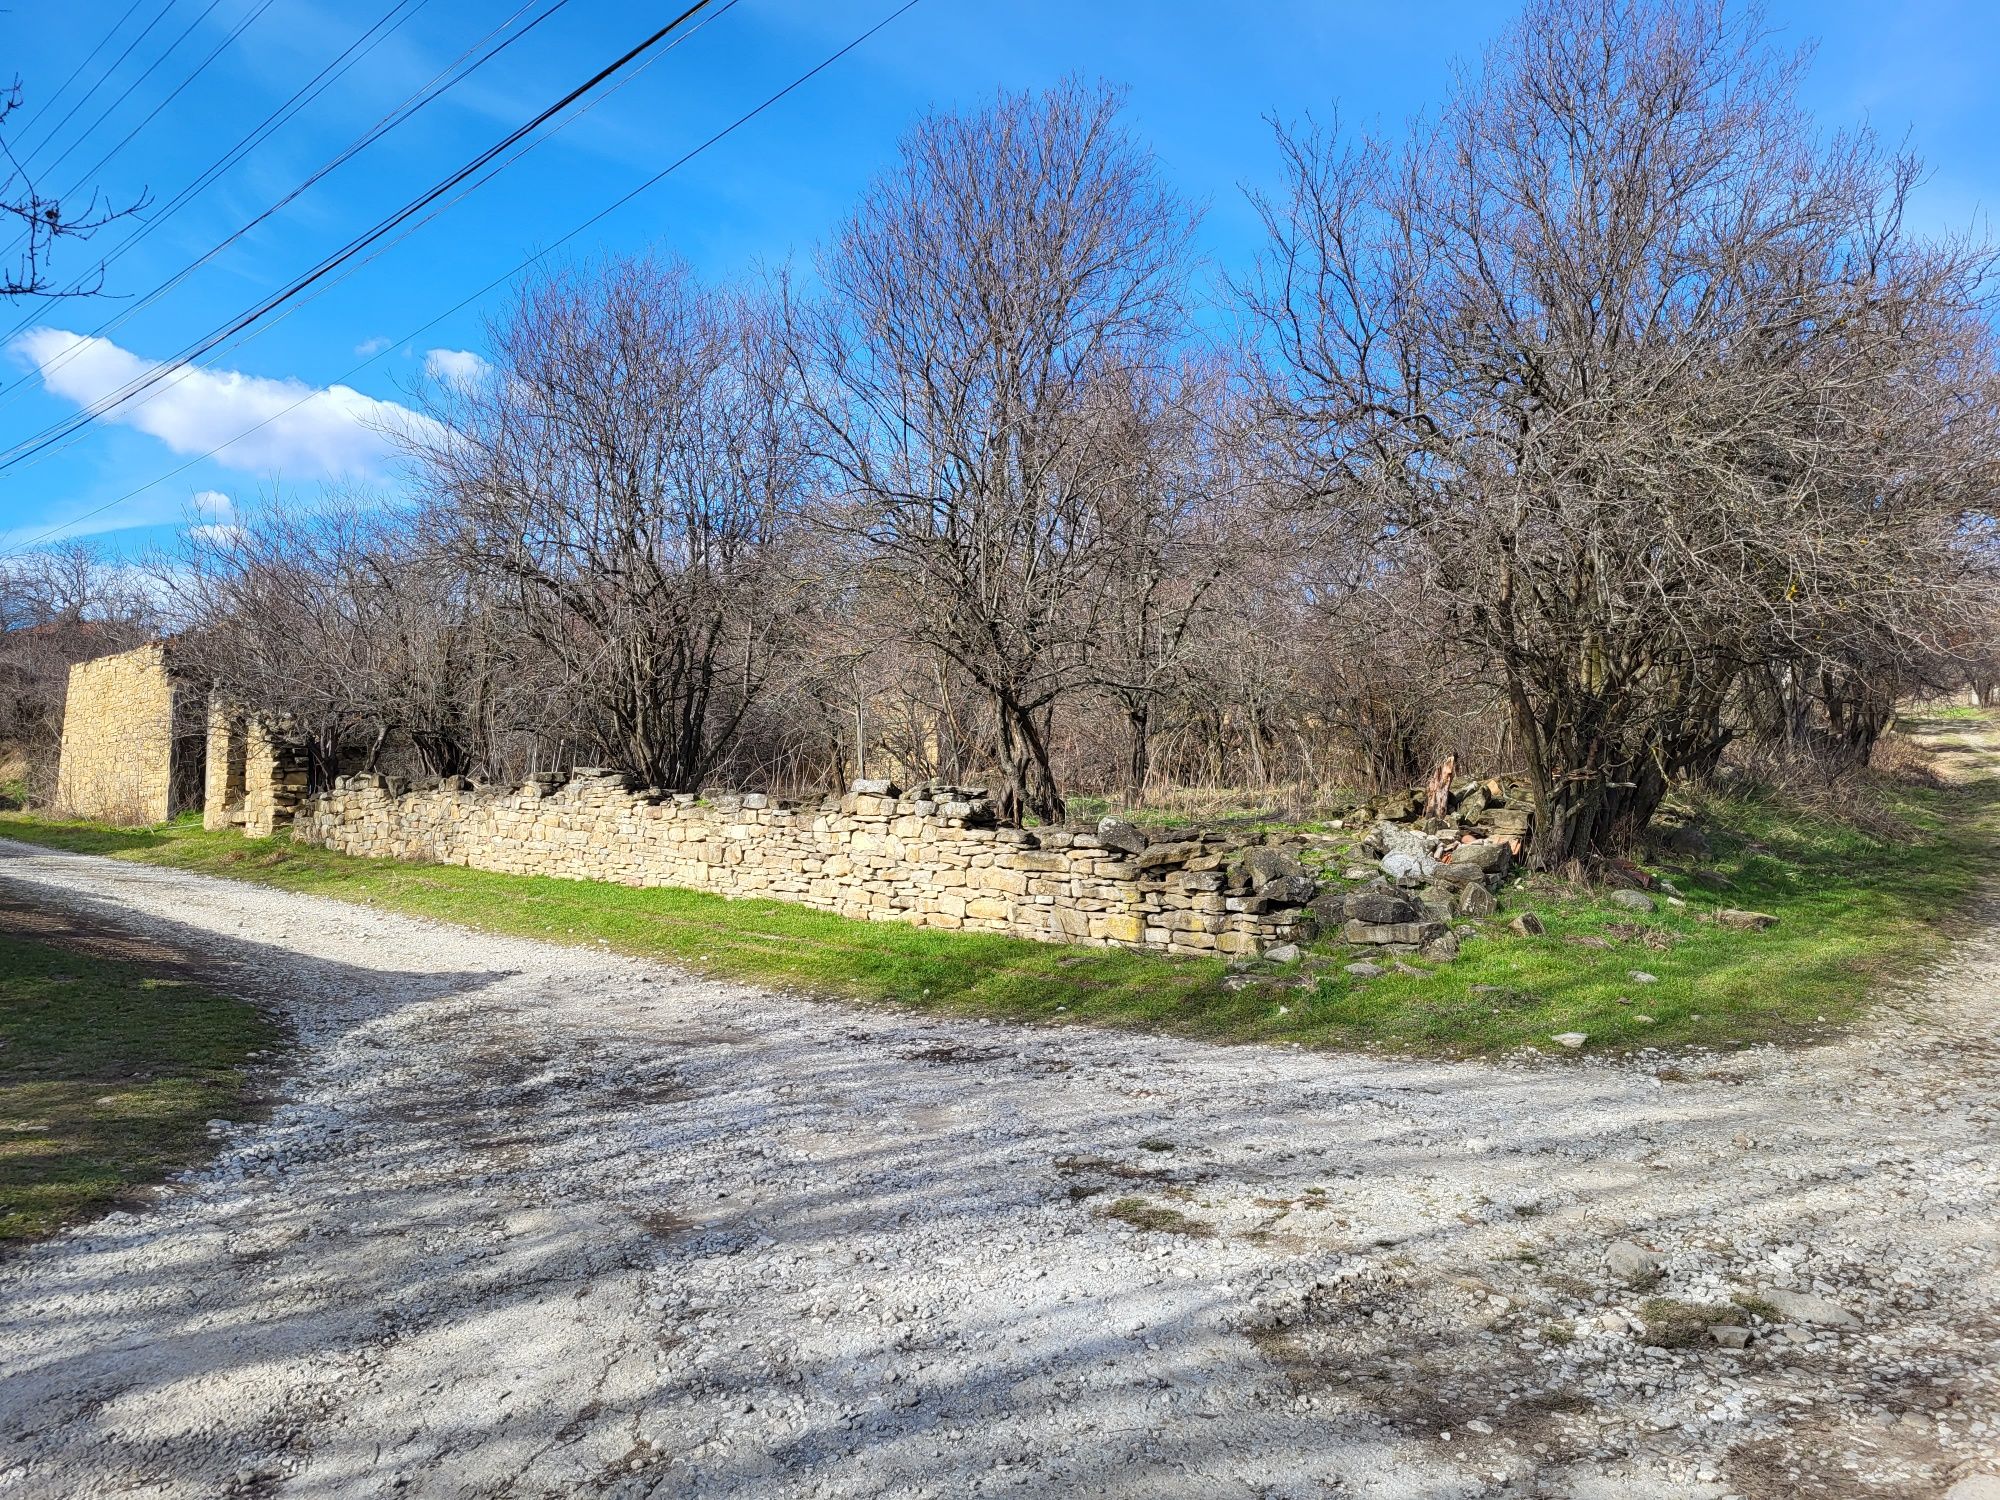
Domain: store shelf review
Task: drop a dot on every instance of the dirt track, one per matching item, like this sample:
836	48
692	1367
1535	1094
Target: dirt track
533	1221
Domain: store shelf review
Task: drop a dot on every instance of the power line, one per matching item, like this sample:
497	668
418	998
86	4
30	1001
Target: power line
56	129
55	433
133	87
90	173
436	87
75	349
651	182
308	91
77	71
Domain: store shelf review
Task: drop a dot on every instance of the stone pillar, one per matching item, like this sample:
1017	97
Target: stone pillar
222	799
274	778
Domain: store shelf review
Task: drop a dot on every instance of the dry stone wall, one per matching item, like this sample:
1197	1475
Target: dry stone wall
930	857
116	764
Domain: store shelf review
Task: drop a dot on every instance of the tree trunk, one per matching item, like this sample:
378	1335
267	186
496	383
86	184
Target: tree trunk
1139	753
1028	782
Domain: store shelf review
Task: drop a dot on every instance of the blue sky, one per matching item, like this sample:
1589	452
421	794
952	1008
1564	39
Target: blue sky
1201	77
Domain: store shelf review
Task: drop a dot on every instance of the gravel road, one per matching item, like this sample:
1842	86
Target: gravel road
537	1221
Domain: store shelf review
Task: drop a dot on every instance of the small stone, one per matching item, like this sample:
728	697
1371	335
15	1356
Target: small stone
1804	1307
1643	1021
1729	1336
1116	833
1283	953
1364	970
1527	925
1571	1039
1631	1262
1745	921
1632	900
1476	901
1640	976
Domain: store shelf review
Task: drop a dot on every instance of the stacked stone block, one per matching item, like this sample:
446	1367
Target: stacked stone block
931	857
257	773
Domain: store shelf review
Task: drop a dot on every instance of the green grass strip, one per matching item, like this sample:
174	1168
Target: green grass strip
1853	907
109	1073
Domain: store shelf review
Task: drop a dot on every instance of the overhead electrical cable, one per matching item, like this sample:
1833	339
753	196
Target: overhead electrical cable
131	89
649	183
89	57
436	87
360	242
89	175
353	267
310	90
56	129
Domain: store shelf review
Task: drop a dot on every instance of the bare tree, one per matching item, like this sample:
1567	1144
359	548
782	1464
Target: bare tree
1174	496
1646	379
985	286
627	479
44	221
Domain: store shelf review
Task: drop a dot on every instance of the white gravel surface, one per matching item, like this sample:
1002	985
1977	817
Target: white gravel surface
538	1221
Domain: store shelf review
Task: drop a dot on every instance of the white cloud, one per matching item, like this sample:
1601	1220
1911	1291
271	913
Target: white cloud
369	348
212	503
460	369
219	534
249	421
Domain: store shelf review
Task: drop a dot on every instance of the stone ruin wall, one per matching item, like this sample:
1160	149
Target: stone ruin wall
116	764
256	776
930	857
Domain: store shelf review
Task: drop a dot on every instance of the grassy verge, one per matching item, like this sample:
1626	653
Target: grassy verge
109	1073
1853	907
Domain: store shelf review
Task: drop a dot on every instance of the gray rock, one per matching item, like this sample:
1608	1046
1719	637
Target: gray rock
1262	866
1409	933
1487	856
1640	976
1571	1039
1527	925
1443	947
1630	1262
869	788
1115	833
1288	890
1477	901
1378	906
1745	921
1283	953
1398	865
1164	856
1729	1336
1804	1307
1632	900
1975	1487
1364	970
